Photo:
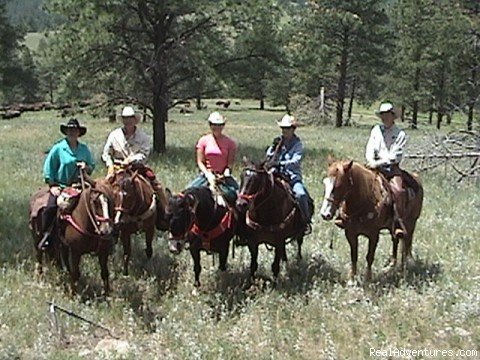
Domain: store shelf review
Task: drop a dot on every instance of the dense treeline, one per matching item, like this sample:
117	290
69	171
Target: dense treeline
424	55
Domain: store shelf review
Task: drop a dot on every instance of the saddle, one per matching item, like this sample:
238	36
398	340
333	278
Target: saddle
68	199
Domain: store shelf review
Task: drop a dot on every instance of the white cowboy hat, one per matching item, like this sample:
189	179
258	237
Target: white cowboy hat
129	111
216	118
287	121
388	107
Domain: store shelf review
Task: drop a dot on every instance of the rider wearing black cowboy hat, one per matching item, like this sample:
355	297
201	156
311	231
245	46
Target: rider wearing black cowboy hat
62	168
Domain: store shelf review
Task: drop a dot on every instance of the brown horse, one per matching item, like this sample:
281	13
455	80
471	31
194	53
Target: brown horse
87	228
270	213
194	217
365	202
135	210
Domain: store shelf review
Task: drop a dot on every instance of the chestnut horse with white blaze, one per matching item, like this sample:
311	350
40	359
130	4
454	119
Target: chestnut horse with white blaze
365	205
87	228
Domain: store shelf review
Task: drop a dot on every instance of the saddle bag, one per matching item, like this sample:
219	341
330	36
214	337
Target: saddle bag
68	199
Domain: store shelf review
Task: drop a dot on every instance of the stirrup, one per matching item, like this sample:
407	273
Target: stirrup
339	222
399	233
308	229
44	243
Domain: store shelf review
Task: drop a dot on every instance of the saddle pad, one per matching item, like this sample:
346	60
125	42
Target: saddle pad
38	201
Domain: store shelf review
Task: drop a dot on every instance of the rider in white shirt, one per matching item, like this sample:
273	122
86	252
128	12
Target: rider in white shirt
384	152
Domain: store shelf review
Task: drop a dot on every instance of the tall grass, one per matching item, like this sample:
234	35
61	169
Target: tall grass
310	314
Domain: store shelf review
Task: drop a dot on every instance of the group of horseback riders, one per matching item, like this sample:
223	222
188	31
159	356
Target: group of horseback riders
215	157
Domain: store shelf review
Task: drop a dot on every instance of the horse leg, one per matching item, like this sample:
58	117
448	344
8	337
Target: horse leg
197	268
127	251
149	234
223	256
279	254
407	257
299	244
103	260
393	257
253	247
74	264
353	241
372	247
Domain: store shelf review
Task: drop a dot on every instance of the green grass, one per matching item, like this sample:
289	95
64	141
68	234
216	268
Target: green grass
310	314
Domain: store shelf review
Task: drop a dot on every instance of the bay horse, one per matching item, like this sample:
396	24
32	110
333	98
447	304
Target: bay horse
271	214
135	210
87	228
197	219
365	205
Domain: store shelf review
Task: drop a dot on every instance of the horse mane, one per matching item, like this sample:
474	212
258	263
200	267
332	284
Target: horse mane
364	180
206	204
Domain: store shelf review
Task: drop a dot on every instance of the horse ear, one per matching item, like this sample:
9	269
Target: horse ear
192	202
348	166
330	159
246	161
168	192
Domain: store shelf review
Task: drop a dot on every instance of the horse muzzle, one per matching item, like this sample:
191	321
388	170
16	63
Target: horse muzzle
176	245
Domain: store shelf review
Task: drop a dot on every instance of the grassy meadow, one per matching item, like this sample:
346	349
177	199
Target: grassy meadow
156	313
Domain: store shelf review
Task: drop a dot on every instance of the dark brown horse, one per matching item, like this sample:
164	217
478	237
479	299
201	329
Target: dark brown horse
270	213
87	228
365	202
195	218
135	210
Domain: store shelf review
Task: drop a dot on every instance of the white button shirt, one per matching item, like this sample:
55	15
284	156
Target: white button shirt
385	146
118	147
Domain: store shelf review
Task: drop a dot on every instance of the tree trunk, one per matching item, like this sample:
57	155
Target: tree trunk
430	116
471	103
352	97
262	104
160	108
342	80
199	102
416	87
441	96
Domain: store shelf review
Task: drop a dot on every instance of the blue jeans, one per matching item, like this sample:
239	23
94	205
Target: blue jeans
301	195
228	188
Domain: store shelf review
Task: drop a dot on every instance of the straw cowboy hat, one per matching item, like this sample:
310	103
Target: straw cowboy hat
287	121
127	112
388	107
73	124
216	118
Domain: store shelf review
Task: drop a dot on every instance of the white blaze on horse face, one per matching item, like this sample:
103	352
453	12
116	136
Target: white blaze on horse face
105	226
328	209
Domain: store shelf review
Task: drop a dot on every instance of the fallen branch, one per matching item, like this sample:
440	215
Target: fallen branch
54	307
443	156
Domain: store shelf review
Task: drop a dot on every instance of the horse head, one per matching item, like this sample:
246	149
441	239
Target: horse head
337	186
102	210
124	194
254	180
180	214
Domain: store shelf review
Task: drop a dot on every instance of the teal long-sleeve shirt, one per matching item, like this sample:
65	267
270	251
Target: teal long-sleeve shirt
60	167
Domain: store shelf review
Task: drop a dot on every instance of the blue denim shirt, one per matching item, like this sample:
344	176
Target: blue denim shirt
290	158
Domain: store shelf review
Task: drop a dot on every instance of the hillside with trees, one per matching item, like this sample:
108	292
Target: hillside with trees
424	56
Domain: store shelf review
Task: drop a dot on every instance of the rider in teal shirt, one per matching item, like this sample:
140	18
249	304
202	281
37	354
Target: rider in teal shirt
60	167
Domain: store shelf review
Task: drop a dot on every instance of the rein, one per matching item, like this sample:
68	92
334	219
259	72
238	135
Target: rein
89	211
270	228
127	212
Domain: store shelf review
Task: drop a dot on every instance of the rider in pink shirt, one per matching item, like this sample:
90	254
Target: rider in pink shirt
215	155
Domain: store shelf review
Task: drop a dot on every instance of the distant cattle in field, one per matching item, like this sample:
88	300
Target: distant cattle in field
185	110
223	103
10	114
184	103
237	102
